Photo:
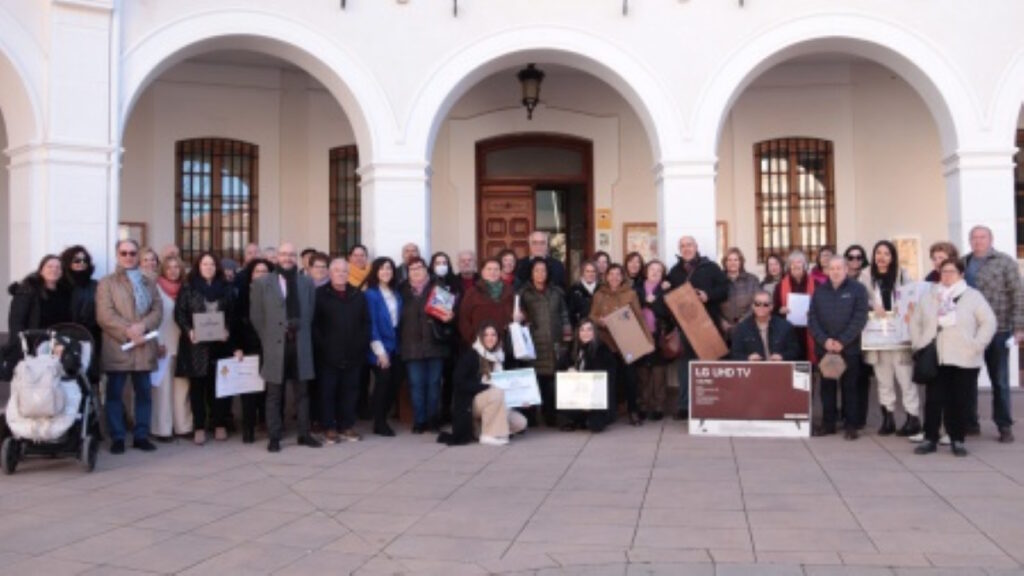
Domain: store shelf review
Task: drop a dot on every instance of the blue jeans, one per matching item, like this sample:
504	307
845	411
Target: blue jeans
997	357
425	388
115	403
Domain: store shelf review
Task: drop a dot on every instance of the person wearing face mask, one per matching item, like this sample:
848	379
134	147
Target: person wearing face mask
581	294
442	274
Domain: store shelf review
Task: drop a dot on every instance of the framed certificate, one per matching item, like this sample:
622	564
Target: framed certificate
520	387
581	390
234	377
209	327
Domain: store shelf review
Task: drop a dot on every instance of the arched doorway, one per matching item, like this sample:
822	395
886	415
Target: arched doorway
529	182
232	146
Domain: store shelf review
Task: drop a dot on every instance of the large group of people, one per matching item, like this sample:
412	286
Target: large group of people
344	333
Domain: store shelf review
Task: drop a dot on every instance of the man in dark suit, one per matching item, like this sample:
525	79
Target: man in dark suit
281	311
539	248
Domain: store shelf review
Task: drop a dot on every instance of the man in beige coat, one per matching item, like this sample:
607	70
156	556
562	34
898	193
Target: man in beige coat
127	308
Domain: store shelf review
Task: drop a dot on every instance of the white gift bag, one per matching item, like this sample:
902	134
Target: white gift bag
522	342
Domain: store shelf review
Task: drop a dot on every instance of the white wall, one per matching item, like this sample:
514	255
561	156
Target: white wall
573	103
887	158
287	114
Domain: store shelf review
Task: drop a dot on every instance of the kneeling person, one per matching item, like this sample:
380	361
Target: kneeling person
476	398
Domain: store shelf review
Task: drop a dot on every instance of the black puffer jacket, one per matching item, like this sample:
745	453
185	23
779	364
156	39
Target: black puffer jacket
196	360
707	277
34	307
579	303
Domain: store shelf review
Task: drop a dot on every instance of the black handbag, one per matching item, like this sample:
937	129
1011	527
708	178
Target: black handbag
926	364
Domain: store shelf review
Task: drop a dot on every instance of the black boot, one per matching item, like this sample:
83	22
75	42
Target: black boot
911	427
888	424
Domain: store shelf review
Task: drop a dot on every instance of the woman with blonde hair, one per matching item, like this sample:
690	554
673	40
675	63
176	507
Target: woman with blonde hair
172	415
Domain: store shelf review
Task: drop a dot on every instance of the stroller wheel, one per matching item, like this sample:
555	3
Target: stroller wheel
90	450
9	455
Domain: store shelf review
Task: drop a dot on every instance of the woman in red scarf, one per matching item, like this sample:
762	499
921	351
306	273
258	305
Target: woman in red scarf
171	412
796	281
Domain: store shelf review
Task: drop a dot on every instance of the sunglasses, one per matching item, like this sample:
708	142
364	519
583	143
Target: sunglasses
80	261
128	254
763	304
854	257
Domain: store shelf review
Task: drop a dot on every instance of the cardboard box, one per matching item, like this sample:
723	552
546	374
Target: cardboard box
700	331
629	334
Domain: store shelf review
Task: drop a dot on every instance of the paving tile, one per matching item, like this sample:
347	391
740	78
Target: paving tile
839	519
174	554
906	560
309	532
605	534
968	561
374	522
121	541
688	537
45	565
323	562
471	525
811	540
439	548
846	571
247	524
919	514
247	559
641	555
185	517
361	543
799	558
967	544
670	569
703	518
758	569
45	534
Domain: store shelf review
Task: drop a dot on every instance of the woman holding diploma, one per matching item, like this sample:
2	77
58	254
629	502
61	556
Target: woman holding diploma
796	281
199	349
589	354
544	309
476	398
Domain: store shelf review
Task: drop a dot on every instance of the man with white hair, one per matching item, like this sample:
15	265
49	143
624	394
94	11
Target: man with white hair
540	248
410	251
467	270
997	277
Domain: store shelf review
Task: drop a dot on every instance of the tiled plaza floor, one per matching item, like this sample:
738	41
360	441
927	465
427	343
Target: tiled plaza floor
649	500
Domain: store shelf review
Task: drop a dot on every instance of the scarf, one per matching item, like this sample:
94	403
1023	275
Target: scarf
211	291
291	277
508	280
649	319
417	289
169	287
357	275
948	296
589	287
496	357
142	296
494	289
80	277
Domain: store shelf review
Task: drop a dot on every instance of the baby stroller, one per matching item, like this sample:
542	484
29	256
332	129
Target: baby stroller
52	410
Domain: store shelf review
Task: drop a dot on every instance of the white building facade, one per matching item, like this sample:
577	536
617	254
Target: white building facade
764	125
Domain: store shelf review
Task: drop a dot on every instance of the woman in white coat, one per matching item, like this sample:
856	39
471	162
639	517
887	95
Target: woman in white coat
171	412
885	283
962	324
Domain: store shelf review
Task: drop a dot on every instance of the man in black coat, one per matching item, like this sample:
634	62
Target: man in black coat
539	249
341	332
712	288
764	336
838	313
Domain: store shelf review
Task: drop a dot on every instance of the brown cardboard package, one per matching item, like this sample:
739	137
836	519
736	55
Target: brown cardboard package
701	332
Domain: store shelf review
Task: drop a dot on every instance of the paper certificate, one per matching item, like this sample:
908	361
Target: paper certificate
234	377
520	387
798	305
581	391
209	327
885	332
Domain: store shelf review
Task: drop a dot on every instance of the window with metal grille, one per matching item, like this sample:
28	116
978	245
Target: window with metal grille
346	223
795	196
216	197
1018	180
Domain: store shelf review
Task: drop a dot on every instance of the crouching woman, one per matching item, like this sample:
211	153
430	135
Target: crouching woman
475	397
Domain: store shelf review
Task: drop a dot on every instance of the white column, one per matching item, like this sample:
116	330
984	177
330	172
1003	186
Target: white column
395	207
979	190
58	198
686	206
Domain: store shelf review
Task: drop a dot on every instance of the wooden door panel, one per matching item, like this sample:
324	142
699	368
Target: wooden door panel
506	217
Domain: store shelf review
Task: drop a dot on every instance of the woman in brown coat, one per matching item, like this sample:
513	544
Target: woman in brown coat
544	309
615	293
490	300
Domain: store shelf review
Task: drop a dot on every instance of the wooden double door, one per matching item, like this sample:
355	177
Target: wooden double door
535	182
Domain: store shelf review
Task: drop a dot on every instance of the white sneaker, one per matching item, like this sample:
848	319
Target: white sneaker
916	438
493	441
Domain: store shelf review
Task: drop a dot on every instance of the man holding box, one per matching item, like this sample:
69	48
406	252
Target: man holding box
128	307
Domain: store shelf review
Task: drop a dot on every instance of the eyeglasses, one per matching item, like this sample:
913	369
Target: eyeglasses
763	304
127	254
80	261
855	257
